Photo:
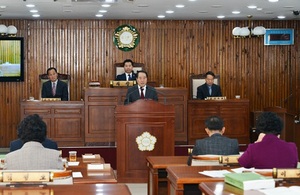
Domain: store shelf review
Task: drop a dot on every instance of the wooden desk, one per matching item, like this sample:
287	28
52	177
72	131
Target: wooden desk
220	188
185	179
235	113
89	177
157	175
76	189
64	119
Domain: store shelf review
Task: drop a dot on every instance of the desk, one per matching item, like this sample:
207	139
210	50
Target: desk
88	178
185	179
157	175
76	189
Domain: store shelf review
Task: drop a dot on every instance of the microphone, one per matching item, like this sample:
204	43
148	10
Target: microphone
127	100
158	92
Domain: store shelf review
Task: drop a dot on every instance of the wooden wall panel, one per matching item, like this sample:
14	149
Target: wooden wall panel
170	50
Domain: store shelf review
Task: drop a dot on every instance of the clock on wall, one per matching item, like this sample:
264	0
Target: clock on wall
126	37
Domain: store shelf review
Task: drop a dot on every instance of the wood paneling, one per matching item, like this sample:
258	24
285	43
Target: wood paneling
171	50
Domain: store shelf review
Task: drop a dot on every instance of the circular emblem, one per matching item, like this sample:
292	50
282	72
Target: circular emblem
126	37
146	141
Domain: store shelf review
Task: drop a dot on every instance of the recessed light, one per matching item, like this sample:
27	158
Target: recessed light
36	15
221	16
252	6
169	11
259	8
236	12
102	11
105	5
179	6
161	16
30	5
99	15
34	11
2	6
280	17
272	1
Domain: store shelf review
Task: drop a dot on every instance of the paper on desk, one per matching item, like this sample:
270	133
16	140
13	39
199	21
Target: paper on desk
73	163
77	175
292	190
243	169
218	173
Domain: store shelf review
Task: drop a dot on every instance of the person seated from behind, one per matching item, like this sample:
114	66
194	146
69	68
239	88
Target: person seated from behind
128	74
17	144
54	88
33	156
216	143
209	89
269	151
141	90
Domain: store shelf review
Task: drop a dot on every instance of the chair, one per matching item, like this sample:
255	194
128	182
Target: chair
199	79
63	77
119	68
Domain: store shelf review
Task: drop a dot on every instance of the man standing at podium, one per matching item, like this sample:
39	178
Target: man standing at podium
209	89
141	90
128	74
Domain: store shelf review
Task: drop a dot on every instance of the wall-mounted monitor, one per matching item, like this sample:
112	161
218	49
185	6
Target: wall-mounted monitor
11	59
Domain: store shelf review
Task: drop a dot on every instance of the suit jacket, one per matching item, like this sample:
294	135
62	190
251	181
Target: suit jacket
215	144
271	152
61	90
202	91
123	77
17	144
133	94
33	156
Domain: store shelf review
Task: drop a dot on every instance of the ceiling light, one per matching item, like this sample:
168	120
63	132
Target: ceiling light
169	11
235	12
99	15
102	11
2	6
3	30
179	6
280	17
12	30
105	5
34	11
248	31
36	15
30	5
161	16
221	16
272	1
252	6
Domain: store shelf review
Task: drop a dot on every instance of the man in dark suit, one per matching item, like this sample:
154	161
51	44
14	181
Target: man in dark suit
141	90
216	143
209	89
17	144
128	75
54	88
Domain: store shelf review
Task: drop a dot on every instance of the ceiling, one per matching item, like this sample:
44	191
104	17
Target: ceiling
150	9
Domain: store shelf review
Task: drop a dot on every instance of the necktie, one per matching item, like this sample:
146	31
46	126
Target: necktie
209	90
142	93
53	89
128	78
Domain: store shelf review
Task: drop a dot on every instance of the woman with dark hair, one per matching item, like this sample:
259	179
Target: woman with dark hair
33	156
269	151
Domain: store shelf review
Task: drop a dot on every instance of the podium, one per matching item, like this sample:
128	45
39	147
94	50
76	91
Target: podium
143	128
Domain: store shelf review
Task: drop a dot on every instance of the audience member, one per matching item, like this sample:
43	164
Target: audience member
216	143
54	88
17	144
141	90
128	74
209	89
33	156
269	151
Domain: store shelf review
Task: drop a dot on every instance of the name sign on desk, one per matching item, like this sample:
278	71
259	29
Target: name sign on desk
25	176
98	166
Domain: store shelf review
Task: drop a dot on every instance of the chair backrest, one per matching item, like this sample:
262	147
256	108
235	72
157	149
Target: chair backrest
119	67
63	77
199	79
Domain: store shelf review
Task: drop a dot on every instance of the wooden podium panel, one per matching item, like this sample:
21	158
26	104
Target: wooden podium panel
64	119
143	128
100	104
235	113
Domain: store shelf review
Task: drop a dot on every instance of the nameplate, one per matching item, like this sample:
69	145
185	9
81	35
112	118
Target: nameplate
230	159
26	176
286	173
122	83
51	99
216	98
98	167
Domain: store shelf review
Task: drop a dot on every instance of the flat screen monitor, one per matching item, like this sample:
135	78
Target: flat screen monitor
11	59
